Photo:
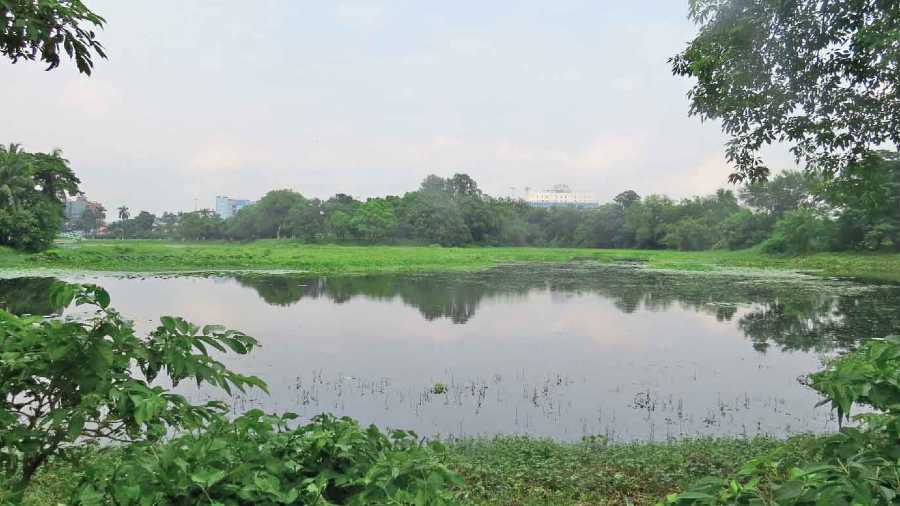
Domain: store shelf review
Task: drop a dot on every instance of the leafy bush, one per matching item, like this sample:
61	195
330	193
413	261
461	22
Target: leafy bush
691	234
256	459
65	380
799	232
744	229
858	465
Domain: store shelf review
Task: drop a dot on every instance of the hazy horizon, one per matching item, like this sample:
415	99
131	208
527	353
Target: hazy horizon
367	98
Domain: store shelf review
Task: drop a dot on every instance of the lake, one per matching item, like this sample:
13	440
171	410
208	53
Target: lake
560	351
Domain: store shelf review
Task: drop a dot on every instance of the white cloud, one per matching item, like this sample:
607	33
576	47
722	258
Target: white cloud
611	151
227	155
507	151
625	84
470	44
91	97
360	14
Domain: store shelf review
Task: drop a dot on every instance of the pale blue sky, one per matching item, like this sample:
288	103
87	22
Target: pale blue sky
208	97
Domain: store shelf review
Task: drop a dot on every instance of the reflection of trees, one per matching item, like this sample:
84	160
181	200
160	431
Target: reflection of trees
434	296
798	324
792	314
27	296
823	322
276	290
789	314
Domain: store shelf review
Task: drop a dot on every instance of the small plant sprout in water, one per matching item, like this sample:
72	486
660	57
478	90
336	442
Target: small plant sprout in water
439	388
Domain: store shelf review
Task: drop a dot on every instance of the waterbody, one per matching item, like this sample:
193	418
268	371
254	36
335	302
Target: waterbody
559	351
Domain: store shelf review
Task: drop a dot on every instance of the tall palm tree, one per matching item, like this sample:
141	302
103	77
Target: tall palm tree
123	216
15	175
33	191
55	177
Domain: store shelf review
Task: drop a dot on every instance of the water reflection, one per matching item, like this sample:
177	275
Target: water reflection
30	295
790	313
560	351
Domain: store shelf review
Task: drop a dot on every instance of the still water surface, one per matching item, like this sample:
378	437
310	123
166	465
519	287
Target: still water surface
558	351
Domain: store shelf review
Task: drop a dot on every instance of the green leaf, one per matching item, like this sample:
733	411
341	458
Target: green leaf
102	298
76	426
168	323
208	477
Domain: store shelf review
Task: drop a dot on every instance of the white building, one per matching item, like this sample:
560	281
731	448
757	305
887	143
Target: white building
560	196
226	206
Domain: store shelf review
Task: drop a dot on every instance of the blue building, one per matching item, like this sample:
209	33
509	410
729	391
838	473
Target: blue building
226	207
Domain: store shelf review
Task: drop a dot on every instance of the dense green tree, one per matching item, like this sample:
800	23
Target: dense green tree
479	216
819	76
626	198
339	225
462	185
433	217
561	225
858	209
690	234
166	225
744	229
800	232
374	221
46	29
433	183
91	220
142	224
787	191
272	212
646	220
306	220
339	210
603	227
204	224
867	199
242	226
33	190
513	227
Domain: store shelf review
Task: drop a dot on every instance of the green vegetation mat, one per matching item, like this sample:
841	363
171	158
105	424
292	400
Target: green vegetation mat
524	471
165	256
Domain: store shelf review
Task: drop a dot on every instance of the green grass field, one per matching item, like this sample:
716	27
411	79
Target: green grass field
156	256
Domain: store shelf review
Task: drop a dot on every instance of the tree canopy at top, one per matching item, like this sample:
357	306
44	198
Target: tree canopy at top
32	29
819	76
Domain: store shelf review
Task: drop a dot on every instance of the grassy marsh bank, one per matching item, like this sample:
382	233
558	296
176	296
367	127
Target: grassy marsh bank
529	472
150	256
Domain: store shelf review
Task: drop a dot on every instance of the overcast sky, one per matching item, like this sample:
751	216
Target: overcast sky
203	97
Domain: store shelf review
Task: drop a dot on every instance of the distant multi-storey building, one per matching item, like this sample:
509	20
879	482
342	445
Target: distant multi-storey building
226	207
560	196
77	206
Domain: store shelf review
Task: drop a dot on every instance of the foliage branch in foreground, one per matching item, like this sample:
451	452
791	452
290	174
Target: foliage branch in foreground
858	465
821	77
257	459
45	29
67	380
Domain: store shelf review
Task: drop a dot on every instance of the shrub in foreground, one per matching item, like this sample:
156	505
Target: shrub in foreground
257	459
67	381
859	465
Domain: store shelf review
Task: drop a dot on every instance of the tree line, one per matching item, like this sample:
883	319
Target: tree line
793	212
